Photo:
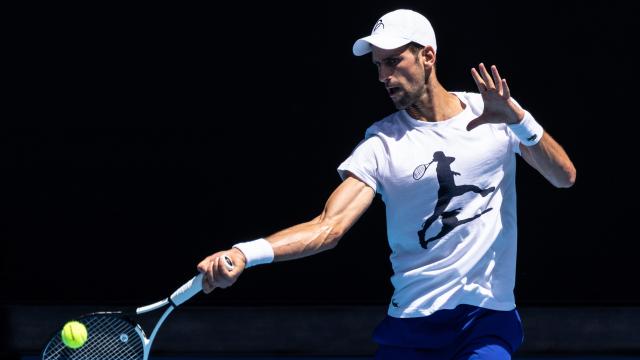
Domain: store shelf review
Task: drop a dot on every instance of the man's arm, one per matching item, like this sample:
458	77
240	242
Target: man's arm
550	159
546	156
343	208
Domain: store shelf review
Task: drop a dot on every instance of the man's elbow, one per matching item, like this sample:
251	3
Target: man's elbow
568	178
334	234
334	238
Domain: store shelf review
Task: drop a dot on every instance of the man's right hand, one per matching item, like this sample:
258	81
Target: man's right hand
216	274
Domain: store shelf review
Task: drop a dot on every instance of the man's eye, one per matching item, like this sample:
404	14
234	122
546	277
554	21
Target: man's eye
392	62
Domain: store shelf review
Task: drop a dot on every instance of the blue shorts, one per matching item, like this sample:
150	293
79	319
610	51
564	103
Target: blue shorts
466	332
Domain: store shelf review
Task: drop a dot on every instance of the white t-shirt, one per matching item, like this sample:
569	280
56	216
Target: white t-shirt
464	201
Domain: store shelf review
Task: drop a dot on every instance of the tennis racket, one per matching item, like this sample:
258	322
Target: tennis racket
115	335
420	170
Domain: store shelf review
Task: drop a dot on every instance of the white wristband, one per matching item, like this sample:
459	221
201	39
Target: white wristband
257	252
528	130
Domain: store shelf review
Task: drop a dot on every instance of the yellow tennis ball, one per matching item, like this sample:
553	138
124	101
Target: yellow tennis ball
74	334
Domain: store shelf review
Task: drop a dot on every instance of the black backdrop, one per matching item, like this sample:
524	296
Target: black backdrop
136	141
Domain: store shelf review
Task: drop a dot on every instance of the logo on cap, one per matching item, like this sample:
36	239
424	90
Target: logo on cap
378	24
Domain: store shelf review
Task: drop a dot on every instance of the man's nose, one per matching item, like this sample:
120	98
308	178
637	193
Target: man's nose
383	75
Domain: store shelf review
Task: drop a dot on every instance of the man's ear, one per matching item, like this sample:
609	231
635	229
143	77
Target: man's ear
428	55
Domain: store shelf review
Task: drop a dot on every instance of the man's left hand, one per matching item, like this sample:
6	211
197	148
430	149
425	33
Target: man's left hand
498	106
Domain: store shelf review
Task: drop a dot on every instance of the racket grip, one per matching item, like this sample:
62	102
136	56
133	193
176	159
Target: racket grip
186	291
194	286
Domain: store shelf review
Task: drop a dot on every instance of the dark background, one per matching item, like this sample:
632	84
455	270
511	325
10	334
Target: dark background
136	141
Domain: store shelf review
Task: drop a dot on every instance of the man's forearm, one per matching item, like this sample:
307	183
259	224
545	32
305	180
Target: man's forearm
550	159
343	208
304	239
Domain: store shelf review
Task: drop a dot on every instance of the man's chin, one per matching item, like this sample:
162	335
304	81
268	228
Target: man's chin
401	105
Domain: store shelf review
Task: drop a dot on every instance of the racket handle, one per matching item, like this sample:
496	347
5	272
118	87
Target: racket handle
186	291
194	286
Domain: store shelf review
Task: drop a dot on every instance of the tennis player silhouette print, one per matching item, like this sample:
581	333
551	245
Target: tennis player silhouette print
446	192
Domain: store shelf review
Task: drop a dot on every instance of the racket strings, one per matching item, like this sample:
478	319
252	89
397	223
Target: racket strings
110	338
116	341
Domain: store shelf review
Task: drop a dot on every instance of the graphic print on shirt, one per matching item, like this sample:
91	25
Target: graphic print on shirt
447	191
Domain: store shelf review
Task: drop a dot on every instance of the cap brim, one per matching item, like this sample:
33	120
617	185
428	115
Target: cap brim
363	46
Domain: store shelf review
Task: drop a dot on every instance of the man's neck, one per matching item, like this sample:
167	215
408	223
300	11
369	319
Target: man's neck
436	104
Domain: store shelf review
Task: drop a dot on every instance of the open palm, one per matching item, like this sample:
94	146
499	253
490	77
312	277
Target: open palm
498	108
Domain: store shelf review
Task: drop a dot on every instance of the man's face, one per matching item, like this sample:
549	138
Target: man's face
402	74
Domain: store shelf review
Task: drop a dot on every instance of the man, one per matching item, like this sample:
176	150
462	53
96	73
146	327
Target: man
452	226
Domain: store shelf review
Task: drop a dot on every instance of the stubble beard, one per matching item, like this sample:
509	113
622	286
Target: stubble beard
406	100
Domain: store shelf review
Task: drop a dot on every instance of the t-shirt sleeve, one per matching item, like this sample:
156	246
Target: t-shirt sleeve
514	142
364	162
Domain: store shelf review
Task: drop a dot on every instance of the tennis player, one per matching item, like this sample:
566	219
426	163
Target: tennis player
444	165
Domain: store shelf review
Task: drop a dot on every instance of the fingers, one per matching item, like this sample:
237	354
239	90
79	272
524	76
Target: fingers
205	267
206	287
227	262
210	275
219	272
505	87
479	83
485	81
486	77
496	78
496	95
225	275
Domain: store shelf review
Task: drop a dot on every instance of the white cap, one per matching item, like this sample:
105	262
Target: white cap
396	29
